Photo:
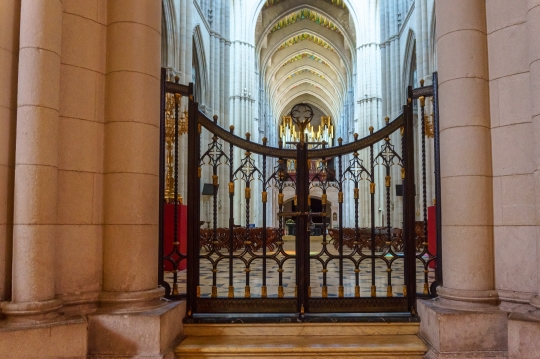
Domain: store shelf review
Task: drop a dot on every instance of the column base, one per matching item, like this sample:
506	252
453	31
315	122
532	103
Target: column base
29	313
150	334
62	339
523	334
460	333
131	301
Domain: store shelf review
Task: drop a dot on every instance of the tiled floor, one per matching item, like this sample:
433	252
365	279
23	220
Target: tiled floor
316	275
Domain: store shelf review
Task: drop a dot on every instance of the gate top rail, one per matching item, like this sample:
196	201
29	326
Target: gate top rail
356	145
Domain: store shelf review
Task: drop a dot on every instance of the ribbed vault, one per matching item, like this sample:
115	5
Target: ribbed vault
306	53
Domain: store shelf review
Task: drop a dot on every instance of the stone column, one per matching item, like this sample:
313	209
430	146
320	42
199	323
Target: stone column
130	205
36	158
533	26
468	299
9	58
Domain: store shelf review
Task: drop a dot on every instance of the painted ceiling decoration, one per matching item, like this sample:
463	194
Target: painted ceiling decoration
305	55
305	14
298	38
305	70
338	3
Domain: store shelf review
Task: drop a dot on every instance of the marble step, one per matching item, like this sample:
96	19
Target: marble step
302	346
303	329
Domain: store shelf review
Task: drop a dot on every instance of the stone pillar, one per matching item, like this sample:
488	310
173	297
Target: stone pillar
33	294
130	193
468	299
130	205
533	25
9	51
524	328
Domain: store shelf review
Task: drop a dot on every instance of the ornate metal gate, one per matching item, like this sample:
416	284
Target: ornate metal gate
236	267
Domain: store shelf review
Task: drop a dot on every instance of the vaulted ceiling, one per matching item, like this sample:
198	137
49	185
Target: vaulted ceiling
306	54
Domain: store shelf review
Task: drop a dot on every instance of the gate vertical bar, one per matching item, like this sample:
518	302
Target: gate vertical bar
437	144
409	196
264	234
230	293
302	250
193	205
161	276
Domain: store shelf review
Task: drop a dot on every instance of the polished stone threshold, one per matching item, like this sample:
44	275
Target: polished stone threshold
317	346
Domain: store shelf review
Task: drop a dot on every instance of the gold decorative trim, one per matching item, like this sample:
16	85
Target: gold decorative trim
280	292
215	180
426	288
373	291
356	193
264	292
264	197
389	291
324	199
231	292
247	292
357	291
388	180
341	291
325	291
340	197
231	187
248	192
280	198
214	291
198	291
372	187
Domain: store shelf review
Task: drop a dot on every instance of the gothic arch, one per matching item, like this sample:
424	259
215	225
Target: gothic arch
200	67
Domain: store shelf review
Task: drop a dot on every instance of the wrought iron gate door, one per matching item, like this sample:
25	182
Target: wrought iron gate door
252	243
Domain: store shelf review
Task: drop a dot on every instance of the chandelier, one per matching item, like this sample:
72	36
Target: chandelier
289	131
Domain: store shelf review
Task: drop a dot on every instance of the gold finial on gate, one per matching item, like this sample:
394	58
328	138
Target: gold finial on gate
248	136
373	291
264	140
422	82
231	292
387	120
422	100
355	136
176	79
340	141
231	128
215	118
370	130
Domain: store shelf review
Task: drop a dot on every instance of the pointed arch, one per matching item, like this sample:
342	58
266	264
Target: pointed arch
200	67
